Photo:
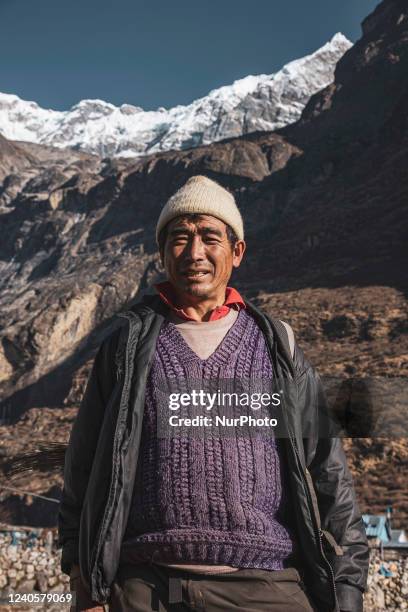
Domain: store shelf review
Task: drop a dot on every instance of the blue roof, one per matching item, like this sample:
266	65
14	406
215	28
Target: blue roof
376	527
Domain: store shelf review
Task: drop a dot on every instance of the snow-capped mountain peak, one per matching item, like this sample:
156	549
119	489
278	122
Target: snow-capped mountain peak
255	102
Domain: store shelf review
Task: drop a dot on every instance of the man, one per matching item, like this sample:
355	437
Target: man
220	523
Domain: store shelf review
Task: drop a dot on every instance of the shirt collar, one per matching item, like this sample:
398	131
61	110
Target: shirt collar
232	300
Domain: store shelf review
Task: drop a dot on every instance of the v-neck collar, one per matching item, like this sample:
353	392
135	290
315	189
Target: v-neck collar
221	354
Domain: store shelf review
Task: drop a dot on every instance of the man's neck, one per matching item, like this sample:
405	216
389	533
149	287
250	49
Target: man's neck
200	310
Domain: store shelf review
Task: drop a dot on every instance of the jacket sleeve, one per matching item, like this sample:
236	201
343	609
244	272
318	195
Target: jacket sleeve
339	512
81	448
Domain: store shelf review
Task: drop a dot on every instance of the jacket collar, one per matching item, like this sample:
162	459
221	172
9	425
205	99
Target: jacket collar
151	303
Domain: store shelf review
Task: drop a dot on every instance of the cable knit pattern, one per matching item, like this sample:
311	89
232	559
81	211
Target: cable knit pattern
215	499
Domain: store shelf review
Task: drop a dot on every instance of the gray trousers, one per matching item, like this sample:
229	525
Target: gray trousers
148	588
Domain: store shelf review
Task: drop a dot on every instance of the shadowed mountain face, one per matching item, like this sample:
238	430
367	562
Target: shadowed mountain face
323	204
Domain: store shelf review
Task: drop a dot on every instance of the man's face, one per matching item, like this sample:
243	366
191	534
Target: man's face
198	257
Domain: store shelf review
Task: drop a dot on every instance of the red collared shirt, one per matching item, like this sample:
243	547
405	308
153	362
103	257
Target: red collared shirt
232	300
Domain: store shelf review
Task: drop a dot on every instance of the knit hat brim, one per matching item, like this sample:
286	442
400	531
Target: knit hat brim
201	195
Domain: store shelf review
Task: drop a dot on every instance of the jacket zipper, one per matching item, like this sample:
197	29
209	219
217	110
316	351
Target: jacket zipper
108	506
317	529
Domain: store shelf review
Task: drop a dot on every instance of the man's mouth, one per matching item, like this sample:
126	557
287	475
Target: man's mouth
195	273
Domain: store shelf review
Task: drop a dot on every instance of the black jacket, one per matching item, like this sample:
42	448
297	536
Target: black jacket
101	461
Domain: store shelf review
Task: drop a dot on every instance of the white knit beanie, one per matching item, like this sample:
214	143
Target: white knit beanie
203	196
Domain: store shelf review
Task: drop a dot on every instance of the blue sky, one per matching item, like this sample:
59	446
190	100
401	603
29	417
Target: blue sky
157	52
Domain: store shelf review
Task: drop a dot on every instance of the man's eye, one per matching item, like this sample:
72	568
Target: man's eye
211	239
180	238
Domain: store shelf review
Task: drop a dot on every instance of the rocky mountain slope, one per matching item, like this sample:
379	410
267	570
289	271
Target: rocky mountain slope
323	202
263	102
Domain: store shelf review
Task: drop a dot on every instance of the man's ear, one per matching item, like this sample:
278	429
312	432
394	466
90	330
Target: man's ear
238	252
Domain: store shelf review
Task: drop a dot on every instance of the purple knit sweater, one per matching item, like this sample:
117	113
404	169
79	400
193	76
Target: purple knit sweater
215	500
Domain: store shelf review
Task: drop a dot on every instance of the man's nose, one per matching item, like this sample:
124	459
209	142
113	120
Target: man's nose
196	248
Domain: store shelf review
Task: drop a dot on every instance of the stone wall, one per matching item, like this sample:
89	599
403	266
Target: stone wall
30	561
384	593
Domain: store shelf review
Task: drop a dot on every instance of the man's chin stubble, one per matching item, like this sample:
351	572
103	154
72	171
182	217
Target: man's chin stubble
196	290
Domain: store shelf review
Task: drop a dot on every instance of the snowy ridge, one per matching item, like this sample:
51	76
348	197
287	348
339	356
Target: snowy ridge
263	102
